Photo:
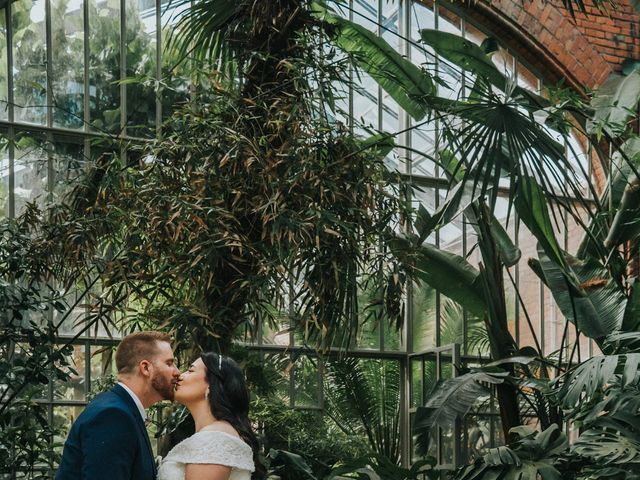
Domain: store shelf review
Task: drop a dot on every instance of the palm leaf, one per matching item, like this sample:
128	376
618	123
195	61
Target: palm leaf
625	163
401	79
614	104
631	321
597	306
587	379
363	396
531	205
201	30
497	140
473	58
446	272
452	399
607	447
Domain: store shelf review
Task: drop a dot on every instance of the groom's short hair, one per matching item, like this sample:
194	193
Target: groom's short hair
136	347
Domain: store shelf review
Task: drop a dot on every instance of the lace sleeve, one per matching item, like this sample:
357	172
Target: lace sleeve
213	447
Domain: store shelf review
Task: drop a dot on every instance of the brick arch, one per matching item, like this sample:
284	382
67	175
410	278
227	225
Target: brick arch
543	35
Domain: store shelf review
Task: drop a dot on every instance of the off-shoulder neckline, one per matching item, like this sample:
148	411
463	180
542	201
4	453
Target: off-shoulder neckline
236	437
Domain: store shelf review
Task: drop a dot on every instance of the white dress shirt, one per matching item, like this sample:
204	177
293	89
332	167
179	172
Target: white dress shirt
137	401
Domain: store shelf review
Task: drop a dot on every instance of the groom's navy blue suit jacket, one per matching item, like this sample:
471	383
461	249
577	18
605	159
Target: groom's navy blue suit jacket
108	441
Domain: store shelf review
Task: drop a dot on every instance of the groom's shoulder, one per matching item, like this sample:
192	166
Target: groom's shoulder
108	401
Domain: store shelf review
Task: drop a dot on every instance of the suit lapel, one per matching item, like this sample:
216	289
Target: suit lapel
142	429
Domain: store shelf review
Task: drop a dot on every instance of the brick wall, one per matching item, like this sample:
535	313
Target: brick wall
584	51
614	33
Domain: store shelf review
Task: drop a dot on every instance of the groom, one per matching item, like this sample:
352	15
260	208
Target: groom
109	439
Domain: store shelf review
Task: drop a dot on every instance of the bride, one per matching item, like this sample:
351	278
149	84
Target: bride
224	446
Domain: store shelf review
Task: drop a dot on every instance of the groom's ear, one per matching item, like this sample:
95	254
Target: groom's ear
145	368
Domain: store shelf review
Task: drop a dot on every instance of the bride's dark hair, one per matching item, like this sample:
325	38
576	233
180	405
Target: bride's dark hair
229	400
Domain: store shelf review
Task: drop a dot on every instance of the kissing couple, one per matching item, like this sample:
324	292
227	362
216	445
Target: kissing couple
109	440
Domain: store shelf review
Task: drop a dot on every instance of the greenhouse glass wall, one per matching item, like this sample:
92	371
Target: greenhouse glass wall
79	77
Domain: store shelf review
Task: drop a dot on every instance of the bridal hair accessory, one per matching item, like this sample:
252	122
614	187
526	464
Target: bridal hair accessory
220	363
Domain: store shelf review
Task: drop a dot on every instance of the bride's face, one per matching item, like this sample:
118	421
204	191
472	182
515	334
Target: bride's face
192	385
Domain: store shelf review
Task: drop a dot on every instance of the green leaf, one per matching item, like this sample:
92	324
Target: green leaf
452	399
625	162
614	104
473	58
625	226
407	84
382	144
606	447
424	224
595	304
531	205
290	464
509	253
631	65
587	379
631	320
446	272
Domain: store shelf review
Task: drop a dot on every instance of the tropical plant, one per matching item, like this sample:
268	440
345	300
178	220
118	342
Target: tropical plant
363	400
594	290
31	356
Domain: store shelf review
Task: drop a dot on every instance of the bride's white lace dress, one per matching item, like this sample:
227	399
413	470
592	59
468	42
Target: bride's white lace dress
210	447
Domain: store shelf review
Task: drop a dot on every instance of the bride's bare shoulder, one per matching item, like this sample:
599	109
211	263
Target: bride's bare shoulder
220	426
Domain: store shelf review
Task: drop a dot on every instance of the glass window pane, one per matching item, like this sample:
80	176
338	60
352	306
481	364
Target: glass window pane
67	27
416	383
70	320
306	387
391	336
76	387
4	174
103	365
175	76
68	164
370	316
29	61
104	65
365	104
365	13
141	67
4	68
31	169
423	144
63	418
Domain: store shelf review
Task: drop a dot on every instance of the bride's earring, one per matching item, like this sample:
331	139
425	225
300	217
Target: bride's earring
206	394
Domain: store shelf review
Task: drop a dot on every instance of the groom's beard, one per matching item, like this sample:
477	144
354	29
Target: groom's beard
163	386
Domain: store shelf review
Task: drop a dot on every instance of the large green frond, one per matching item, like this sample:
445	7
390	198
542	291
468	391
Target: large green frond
594	302
448	273
407	84
588	379
452	399
472	58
